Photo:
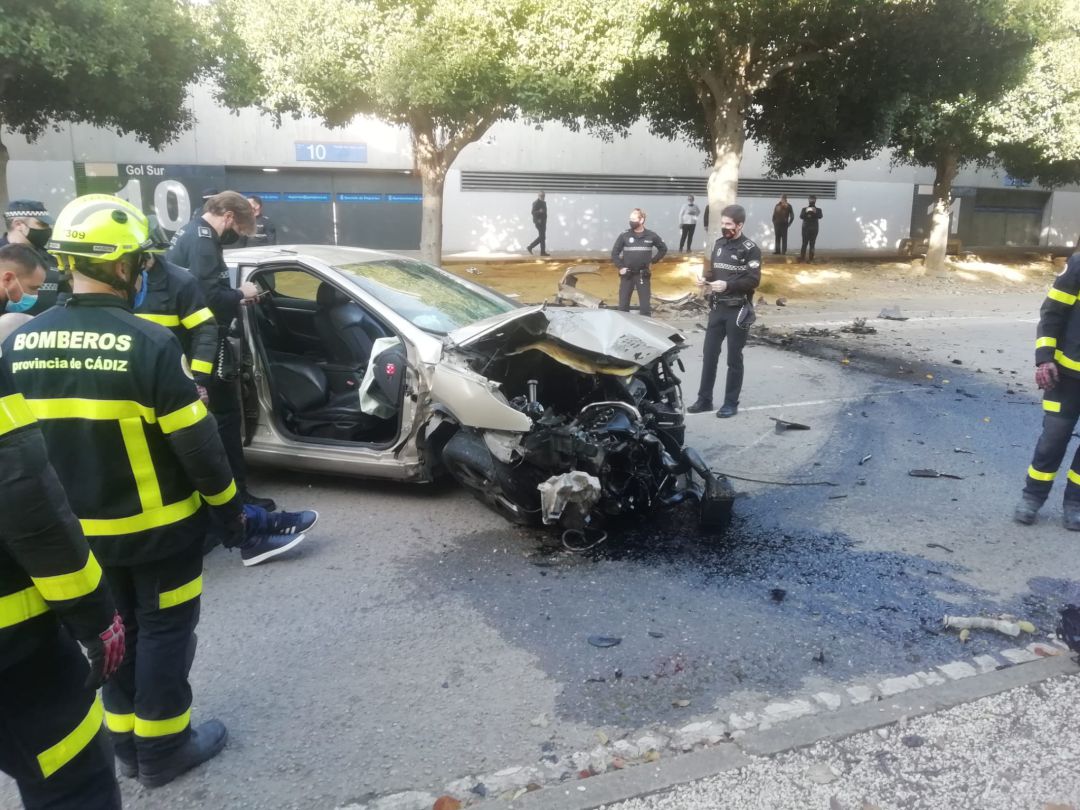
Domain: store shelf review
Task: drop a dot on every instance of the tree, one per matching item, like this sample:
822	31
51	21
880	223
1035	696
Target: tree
119	64
445	69
1014	113
817	82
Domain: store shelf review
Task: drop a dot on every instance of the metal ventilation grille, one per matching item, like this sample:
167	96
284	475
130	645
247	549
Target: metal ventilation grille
631	184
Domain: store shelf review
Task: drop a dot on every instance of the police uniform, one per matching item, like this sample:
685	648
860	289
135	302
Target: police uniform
811	217
197	248
634	251
51	588
738	262
264	236
55	285
1058	341
173	299
138	454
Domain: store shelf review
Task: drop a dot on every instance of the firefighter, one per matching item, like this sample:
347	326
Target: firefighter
51	592
197	247
140	458
1057	373
729	278
633	254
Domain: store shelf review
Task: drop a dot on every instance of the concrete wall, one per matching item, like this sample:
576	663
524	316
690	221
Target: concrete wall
1061	220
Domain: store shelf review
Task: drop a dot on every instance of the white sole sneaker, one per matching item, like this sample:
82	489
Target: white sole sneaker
266	555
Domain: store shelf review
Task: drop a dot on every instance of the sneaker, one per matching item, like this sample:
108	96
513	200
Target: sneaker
1027	510
274	533
727	411
204	742
529	248
545	254
263	503
700	406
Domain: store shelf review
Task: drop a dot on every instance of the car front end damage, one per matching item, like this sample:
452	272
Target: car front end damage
589	426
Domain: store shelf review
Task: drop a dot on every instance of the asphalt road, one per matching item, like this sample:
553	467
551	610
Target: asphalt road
416	638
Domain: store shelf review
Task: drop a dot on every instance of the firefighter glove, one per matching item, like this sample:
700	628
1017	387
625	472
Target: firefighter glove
105	653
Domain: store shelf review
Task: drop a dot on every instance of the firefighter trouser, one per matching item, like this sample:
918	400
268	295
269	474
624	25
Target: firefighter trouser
148	700
225	406
641	282
51	738
1061	407
722	326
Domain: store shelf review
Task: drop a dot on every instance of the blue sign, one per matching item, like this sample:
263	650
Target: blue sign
405	198
321	152
359	198
305	196
1015	182
265	196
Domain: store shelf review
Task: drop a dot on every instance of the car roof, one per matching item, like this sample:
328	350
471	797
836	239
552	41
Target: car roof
333	255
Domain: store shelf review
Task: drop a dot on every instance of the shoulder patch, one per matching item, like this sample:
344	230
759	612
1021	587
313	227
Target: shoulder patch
205	232
748	244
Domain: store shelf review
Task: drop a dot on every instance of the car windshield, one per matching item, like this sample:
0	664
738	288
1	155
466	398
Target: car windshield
432	299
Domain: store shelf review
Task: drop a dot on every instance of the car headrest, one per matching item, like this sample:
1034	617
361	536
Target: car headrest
328	295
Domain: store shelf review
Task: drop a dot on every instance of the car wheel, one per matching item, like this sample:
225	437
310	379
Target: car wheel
470	463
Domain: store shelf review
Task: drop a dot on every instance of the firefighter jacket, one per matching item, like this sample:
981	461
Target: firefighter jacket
197	248
738	262
1058	334
634	250
175	301
131	442
47	571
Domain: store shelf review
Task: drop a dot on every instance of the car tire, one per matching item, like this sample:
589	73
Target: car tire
471	464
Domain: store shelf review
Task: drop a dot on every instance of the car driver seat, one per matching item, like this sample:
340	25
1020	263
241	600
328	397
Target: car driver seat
309	406
347	332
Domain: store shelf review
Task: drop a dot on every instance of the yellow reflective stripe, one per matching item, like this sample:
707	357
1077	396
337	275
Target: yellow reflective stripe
160	320
202	366
183	417
14	413
1061	296
95	409
177	596
1074	477
150	519
162	728
55	758
142	466
197	317
1051	406
20	606
70	586
222	497
1046	342
1060	357
120	723
1041	476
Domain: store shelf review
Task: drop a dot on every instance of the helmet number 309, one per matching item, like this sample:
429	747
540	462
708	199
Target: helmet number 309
72	234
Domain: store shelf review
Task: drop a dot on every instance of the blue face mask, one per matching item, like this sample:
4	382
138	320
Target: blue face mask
140	296
24	304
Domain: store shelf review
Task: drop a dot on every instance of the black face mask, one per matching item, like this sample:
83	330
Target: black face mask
727	233
634	225
229	237
39	237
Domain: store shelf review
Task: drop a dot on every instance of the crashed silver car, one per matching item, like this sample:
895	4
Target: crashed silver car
374	364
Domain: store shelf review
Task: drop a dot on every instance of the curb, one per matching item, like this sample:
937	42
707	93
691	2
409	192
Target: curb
647	779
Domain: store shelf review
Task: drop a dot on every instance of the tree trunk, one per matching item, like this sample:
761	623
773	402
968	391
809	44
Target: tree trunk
432	181
3	175
946	169
728	139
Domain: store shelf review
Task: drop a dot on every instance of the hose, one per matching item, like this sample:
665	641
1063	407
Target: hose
582	533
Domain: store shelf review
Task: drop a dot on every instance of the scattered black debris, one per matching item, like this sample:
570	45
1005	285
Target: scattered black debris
962	450
938	545
819	657
605	641
596	680
655	634
933	474
837	497
865	458
859	327
783	424
912	740
892	314
480	789
967	394
778	594
957	362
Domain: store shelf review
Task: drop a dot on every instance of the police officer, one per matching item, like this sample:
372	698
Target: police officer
21	276
729	278
1057	373
633	254
539	218
265	230
198	248
51	592
139	457
811	218
28	223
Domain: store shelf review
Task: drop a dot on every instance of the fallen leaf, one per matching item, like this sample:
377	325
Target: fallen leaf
929	376
964	636
1026	627
602	737
517	794
446	803
845	362
986	419
651	755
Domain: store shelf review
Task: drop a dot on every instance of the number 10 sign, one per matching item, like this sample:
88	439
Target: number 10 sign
331	152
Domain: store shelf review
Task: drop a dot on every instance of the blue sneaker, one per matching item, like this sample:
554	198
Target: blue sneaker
273	533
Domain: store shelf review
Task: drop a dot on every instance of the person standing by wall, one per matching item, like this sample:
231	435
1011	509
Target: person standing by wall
265	230
782	217
633	255
810	216
539	218
729	278
688	217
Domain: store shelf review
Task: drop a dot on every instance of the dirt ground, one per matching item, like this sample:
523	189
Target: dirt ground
535	280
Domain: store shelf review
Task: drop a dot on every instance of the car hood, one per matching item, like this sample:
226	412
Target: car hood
605	333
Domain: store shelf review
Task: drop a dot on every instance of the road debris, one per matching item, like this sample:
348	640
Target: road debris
783	425
1006	626
938	545
892	314
962	450
865	458
781	302
859	327
778	594
605	641
680	704
933	474
655	634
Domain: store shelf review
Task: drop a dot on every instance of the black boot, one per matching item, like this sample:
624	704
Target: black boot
1027	510
204	743
1071	515
265	503
126	759
727	411
700	406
